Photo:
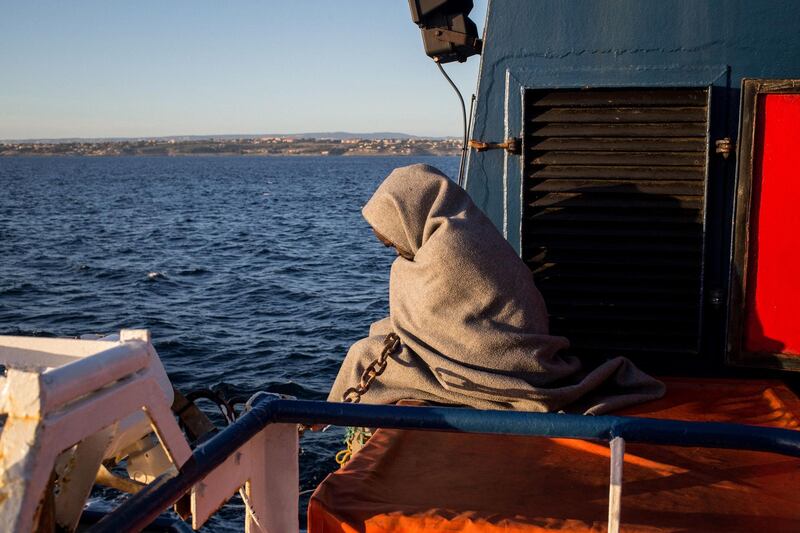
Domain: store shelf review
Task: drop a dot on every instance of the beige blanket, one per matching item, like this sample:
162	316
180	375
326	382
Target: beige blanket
474	327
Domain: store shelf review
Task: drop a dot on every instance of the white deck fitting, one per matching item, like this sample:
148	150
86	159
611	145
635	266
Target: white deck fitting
70	403
267	466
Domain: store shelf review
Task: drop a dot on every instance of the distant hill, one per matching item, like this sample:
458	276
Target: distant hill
332	135
342	135
315	145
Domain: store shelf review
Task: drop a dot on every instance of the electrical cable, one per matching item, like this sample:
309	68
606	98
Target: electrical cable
467	136
464	122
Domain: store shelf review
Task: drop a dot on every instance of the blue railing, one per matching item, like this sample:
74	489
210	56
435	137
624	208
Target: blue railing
145	506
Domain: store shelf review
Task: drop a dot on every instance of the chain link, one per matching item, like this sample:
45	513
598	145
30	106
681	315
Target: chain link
357	437
390	345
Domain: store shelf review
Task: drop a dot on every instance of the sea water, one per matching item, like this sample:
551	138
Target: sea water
252	273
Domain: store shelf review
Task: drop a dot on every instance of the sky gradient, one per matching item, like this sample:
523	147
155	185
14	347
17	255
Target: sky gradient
111	68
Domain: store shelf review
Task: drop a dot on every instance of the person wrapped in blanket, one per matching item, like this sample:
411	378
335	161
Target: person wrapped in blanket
473	326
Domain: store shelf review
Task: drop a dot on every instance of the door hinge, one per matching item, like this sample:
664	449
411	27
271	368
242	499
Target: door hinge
512	145
724	147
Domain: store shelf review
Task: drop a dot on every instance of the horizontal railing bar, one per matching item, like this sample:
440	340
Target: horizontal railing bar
632	429
142	508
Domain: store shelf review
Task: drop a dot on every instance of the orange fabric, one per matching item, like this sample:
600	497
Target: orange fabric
415	481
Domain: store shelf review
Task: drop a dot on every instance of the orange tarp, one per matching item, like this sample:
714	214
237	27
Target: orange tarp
415	481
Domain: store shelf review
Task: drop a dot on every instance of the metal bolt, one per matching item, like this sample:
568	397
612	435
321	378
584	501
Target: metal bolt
724	147
715	298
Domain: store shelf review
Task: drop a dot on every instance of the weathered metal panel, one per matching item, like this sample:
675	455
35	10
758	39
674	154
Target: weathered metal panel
628	43
616	216
550	43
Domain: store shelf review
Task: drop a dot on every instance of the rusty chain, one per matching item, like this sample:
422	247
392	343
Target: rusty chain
390	345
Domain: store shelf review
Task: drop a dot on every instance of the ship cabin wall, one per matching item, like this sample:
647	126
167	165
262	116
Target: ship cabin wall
603	44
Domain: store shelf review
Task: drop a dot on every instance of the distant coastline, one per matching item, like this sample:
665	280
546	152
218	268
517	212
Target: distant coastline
225	146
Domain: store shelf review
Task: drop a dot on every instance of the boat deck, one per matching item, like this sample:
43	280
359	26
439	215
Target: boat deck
423	481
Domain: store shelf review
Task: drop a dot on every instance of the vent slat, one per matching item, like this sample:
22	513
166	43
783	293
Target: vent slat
674	216
641	332
616	97
643	353
687	188
580	257
616	115
621	144
616	290
558	233
577	199
603	235
611	320
618	172
589	244
644	307
577	289
546	274
630	129
566	314
637	349
613	215
602	274
619	158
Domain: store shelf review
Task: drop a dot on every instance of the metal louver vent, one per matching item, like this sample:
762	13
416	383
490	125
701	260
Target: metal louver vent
613	215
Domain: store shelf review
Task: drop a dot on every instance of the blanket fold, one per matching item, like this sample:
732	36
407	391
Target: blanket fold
474	327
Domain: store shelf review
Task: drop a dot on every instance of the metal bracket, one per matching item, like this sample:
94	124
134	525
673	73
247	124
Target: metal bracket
458	38
724	147
512	145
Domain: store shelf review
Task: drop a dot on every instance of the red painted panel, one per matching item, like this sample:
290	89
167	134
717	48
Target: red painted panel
772	319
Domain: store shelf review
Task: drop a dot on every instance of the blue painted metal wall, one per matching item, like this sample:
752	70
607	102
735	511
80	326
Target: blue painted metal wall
559	43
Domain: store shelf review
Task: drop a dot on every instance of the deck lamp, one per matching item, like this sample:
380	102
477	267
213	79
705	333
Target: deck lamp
448	34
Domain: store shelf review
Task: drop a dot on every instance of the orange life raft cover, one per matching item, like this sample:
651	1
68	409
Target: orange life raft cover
415	481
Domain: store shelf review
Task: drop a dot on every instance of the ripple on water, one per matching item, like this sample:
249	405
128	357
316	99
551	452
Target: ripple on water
239	289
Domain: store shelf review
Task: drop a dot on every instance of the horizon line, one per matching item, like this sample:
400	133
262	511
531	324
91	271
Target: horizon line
308	135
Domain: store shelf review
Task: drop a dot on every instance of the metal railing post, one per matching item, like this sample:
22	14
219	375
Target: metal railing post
617	445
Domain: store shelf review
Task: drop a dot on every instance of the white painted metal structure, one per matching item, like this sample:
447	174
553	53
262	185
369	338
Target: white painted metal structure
69	403
267	466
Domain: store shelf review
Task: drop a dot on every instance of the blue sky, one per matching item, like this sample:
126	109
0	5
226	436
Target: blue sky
110	68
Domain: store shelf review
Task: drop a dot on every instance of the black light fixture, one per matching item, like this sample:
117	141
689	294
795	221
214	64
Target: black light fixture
447	31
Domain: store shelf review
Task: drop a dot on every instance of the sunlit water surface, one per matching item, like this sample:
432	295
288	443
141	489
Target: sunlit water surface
251	273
